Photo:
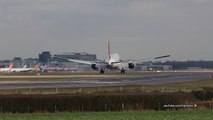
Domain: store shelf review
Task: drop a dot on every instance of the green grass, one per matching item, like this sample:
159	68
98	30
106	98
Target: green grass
152	115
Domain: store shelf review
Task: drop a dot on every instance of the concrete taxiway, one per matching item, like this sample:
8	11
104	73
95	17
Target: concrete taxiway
105	81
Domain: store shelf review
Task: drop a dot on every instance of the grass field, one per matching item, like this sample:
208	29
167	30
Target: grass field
152	115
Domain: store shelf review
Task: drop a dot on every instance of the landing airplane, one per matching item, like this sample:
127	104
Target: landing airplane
111	63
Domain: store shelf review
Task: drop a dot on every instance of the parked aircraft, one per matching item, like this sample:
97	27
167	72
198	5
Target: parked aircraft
45	68
111	63
36	68
6	69
24	69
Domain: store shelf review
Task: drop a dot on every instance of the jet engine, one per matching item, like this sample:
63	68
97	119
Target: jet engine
94	67
131	65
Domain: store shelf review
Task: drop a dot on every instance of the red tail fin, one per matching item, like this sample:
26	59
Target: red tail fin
11	66
109	54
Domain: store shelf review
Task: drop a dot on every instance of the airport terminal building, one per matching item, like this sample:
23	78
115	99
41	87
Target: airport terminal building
78	56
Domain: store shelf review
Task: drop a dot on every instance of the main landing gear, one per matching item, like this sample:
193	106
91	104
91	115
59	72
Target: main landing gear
102	71
122	71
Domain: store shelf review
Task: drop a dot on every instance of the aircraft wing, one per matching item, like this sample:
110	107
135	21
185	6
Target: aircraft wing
99	63
81	61
130	64
150	59
142	60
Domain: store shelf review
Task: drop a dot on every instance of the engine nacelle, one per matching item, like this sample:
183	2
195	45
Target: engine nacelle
94	67
131	65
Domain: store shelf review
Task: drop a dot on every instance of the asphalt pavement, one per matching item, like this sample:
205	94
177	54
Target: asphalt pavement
105	81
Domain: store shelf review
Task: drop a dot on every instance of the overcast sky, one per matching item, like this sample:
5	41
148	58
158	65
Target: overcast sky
137	29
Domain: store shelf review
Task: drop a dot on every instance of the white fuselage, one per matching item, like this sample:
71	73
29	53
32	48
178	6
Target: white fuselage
20	69
5	69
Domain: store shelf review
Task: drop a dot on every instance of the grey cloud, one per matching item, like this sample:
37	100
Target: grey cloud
136	28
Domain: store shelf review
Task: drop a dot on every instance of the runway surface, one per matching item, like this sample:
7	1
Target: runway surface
105	81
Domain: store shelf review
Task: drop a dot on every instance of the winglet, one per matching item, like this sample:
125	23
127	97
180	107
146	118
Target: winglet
162	56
